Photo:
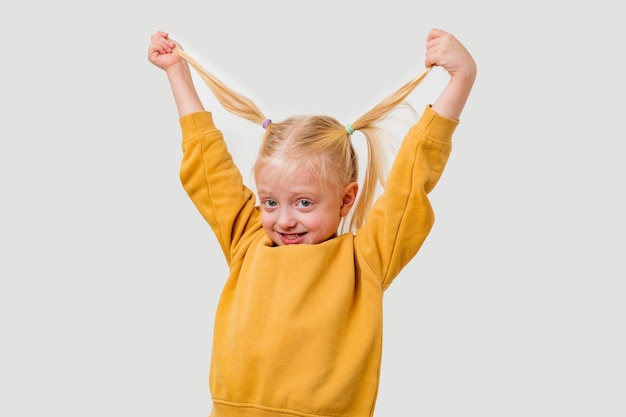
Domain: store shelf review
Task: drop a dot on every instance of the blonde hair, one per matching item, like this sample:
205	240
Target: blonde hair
321	143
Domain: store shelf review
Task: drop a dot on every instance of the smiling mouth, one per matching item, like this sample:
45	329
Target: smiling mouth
291	238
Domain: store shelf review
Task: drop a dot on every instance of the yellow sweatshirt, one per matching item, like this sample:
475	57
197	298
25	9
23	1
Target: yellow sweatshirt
298	328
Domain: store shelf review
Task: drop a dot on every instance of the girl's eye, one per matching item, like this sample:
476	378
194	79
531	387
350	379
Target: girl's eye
304	203
269	203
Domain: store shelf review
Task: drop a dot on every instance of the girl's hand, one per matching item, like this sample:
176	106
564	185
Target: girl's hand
160	52
444	50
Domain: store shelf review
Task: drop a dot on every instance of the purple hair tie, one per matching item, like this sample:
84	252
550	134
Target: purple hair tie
266	123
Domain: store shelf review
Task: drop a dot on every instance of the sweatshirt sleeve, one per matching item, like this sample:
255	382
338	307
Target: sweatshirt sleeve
402	216
214	183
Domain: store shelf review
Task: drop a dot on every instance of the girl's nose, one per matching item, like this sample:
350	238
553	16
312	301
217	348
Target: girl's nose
286	219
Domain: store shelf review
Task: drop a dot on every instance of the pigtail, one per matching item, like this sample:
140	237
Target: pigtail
374	170
384	107
231	101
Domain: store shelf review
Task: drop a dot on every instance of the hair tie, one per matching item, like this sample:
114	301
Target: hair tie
349	129
266	123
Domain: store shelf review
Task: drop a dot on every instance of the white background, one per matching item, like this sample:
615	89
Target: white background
109	277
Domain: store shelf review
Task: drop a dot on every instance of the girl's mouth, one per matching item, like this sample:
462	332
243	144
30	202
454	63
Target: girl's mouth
291	238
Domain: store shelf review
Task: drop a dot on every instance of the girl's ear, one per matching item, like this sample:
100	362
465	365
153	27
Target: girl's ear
349	197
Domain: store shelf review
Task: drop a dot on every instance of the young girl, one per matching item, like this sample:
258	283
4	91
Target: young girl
298	328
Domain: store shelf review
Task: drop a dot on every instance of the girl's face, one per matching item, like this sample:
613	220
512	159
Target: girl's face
298	208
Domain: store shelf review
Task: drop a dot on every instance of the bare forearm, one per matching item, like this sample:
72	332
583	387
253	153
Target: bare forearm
452	99
183	89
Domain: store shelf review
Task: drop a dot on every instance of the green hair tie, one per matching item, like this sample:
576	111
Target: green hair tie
349	129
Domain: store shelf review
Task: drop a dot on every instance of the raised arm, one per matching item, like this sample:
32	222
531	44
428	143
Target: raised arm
444	50
160	53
